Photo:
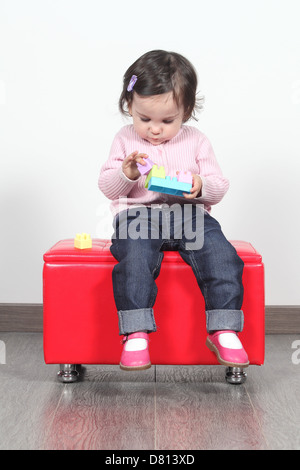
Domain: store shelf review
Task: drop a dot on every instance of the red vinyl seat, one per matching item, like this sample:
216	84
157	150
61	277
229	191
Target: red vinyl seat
80	318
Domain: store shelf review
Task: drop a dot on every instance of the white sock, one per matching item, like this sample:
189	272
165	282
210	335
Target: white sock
136	344
230	340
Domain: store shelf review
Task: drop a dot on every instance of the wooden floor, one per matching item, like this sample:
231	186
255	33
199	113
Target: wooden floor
163	408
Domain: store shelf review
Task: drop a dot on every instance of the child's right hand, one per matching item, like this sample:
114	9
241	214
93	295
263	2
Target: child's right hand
129	166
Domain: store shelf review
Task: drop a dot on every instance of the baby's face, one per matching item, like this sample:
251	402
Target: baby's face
156	118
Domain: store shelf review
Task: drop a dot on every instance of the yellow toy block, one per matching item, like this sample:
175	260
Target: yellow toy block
157	172
82	241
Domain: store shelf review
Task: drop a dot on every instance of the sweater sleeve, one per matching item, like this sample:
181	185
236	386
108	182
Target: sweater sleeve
112	181
215	185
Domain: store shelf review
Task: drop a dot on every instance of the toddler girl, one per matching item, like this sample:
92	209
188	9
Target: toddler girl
159	93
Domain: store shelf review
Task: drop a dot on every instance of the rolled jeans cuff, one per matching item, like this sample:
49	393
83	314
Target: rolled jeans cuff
217	320
140	319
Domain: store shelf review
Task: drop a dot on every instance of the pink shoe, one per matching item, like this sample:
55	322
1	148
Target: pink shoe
135	354
228	348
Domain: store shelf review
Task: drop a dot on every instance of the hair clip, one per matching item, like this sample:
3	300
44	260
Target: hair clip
132	83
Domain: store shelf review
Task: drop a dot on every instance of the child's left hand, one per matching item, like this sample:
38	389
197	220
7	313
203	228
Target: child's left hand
195	189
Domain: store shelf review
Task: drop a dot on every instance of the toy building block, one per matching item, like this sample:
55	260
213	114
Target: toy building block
82	241
156	172
169	185
144	169
185	177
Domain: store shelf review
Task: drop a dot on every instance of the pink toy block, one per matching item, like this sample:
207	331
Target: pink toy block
145	169
185	177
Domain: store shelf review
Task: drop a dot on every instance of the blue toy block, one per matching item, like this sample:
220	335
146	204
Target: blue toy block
169	185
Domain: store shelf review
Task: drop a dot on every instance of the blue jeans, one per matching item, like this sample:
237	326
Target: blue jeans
217	267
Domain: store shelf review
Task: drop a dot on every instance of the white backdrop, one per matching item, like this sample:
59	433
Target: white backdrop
61	68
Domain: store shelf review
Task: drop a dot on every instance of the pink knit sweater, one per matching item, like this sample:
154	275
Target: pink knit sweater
189	150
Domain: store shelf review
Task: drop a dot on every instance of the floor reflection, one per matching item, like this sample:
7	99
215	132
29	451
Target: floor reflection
109	413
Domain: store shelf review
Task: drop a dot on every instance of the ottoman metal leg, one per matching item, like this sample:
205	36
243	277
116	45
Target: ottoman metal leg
235	375
68	373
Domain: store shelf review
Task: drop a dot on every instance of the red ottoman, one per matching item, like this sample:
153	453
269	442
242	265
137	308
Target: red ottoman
80	317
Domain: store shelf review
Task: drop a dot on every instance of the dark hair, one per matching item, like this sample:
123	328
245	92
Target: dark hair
160	72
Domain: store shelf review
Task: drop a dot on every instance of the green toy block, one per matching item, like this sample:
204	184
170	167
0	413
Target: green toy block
157	172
